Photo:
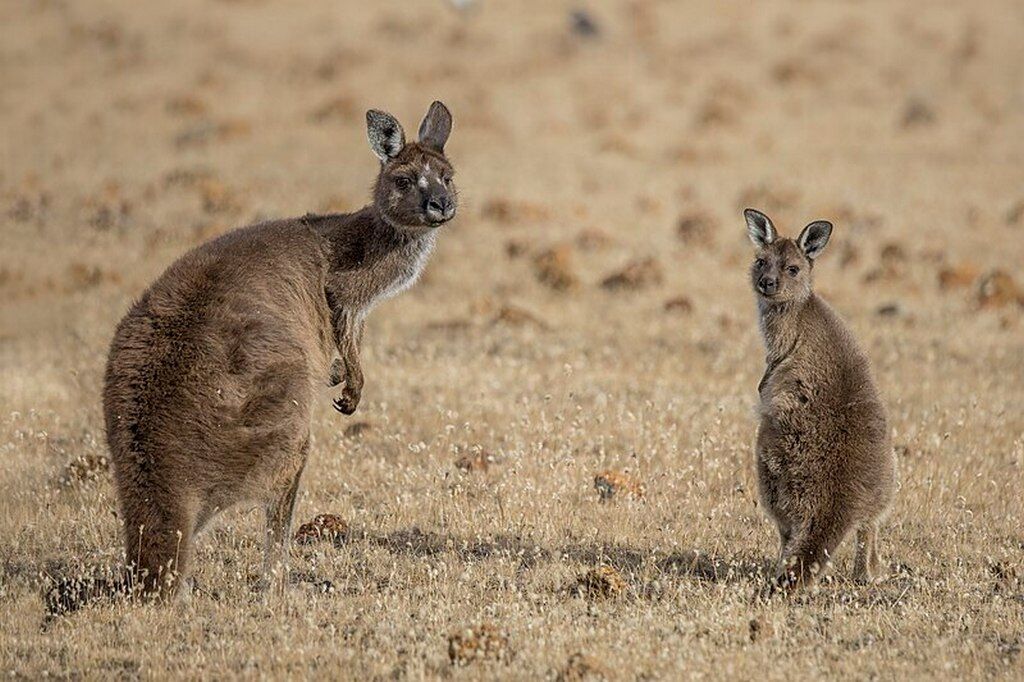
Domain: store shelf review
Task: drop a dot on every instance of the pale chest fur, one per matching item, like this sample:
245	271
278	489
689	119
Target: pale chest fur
397	272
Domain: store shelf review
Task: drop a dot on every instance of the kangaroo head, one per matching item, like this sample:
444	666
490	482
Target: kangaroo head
414	191
781	272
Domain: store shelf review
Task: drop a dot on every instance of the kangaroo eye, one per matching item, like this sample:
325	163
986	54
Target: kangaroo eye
759	263
402	183
793	270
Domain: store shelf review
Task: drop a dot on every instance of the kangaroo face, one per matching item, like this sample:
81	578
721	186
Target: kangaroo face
415	191
781	271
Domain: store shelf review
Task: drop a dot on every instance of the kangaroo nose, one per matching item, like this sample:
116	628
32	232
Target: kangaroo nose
440	208
768	285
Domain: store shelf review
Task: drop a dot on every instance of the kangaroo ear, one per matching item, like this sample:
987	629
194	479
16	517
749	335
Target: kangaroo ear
385	134
759	228
436	127
814	237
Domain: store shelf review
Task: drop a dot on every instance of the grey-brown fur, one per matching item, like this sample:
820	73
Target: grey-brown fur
213	374
825	464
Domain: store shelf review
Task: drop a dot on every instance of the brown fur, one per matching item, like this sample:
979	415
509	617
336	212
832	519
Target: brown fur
213	373
824	460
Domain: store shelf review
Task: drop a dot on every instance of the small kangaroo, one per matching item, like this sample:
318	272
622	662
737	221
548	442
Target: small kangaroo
825	464
213	373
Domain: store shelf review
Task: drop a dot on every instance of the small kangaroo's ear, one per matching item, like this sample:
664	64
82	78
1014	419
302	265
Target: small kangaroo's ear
814	237
759	228
436	127
385	134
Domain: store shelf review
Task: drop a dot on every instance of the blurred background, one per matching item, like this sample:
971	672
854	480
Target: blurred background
636	129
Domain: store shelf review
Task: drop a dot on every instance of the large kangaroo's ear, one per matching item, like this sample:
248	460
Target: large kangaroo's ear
436	127
385	134
759	228
814	237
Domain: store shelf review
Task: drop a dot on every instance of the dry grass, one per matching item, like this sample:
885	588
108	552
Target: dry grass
131	135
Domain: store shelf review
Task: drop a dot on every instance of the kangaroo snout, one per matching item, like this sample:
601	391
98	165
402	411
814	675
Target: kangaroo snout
768	285
439	208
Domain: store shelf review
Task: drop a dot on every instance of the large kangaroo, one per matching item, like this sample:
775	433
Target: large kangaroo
213	373
824	461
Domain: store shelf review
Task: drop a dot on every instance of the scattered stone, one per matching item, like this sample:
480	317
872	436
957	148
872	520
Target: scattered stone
583	24
185	105
84	469
554	268
593	239
638	274
892	253
323	527
82	276
611	483
507	212
603	582
715	113
1015	216
696	228
997	288
514	248
474	461
518	317
357	429
917	112
957	276
581	667
483	642
889	310
679	304
760	629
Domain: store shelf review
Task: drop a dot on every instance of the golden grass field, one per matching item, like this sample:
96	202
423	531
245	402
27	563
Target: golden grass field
131	133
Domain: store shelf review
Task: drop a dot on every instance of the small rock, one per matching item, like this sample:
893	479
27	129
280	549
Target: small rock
483	642
1015	216
679	304
611	483
507	212
603	582
514	248
357	429
329	527
518	317
760	629
185	105
474	461
593	239
888	310
638	274
696	228
583	24
957	277
997	288
554	268
581	667
917	112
